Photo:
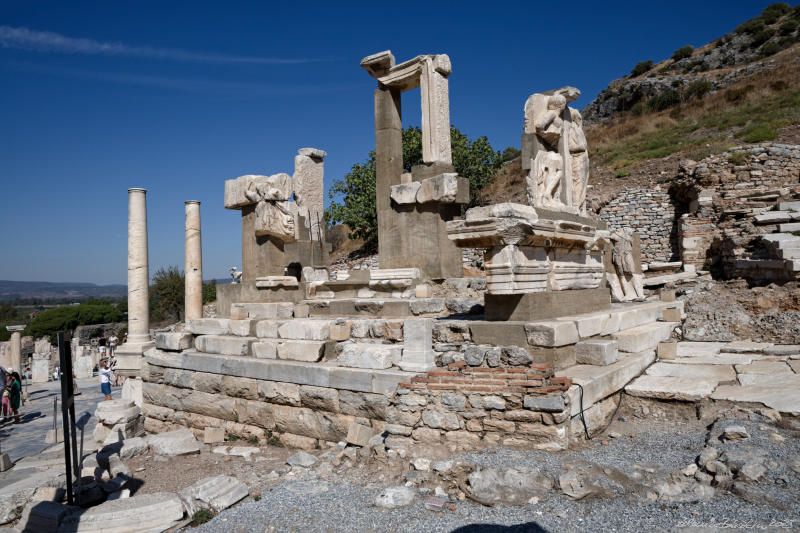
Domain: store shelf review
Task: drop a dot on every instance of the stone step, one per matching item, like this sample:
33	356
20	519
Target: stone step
781	239
790	227
789	253
305	329
224	344
376	308
322	374
268	309
599	382
776	217
369	355
793	205
293	349
644	337
174	341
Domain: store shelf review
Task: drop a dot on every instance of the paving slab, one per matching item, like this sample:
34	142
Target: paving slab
770	380
709	372
699	349
784	349
720	359
747	347
149	512
795	364
671	388
764	367
783	399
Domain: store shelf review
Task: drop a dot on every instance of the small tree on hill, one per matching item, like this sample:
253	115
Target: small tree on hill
642	67
682	53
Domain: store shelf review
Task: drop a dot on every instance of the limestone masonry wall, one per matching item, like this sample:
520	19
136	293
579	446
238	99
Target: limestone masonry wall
649	212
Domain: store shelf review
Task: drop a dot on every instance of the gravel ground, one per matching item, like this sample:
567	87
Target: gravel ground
345	503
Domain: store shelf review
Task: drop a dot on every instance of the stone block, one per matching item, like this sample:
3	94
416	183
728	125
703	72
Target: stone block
224	345
305	329
238	312
417	355
423	290
270	310
174	341
301	350
213	434
215	494
374	356
553	403
588	325
441	189
171	443
667	295
301	310
243	328
597	352
339	332
426	306
359	434
300	442
264	349
643	338
156	511
708	372
208	326
405	193
268	329
319	398
551	334
667	350
671	315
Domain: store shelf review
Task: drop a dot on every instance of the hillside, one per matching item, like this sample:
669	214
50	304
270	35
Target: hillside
44	290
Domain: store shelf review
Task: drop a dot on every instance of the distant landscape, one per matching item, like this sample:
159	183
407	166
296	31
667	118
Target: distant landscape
46	291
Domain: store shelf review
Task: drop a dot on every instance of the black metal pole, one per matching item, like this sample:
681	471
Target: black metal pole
62	356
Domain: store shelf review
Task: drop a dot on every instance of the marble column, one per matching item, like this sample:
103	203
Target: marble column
194	262
129	354
16	351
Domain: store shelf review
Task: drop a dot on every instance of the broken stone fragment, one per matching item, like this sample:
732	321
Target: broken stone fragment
405	193
215	493
394	497
301	459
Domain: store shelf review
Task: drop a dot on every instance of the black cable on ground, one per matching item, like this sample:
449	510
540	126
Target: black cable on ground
610	420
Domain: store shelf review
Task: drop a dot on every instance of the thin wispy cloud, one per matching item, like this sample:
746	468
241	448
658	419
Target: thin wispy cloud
46	41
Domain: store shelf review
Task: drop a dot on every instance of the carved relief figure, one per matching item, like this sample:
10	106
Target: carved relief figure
578	150
625	282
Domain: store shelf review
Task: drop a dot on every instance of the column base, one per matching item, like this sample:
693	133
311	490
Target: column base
129	357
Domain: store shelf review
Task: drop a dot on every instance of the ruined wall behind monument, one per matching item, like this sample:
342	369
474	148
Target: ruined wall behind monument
648	212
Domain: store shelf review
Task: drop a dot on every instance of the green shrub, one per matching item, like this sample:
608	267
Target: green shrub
762	37
769	49
642	67
209	291
637	109
664	100
788	27
621	173
737	158
509	153
698	89
682	53
202	516
758	133
751	26
773	12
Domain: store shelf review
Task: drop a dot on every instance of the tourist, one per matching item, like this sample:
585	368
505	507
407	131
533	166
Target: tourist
102	345
15	393
112	344
56	374
105	379
5	406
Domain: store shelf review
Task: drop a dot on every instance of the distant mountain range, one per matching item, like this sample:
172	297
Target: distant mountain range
45	290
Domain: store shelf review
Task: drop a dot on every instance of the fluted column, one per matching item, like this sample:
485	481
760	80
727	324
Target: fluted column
16	351
194	262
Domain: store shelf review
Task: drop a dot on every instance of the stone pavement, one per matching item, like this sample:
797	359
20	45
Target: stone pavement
36	416
741	372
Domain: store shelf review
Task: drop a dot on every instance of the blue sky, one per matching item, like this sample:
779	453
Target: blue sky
176	97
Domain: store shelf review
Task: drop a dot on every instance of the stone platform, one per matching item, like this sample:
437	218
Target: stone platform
308	376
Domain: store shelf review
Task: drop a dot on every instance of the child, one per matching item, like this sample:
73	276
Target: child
5	407
105	379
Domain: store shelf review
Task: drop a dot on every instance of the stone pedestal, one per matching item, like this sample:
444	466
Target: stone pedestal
129	354
418	353
40	369
132	391
83	366
194	262
528	254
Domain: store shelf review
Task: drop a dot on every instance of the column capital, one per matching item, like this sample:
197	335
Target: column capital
137	189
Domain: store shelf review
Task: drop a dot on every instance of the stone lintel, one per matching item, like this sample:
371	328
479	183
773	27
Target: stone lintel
534	306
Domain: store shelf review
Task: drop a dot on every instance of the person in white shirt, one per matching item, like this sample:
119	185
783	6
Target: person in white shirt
105	379
112	344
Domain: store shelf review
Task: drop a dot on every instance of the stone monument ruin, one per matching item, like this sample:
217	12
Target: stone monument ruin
313	360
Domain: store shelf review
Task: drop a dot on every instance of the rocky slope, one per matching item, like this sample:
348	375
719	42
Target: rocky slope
692	73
